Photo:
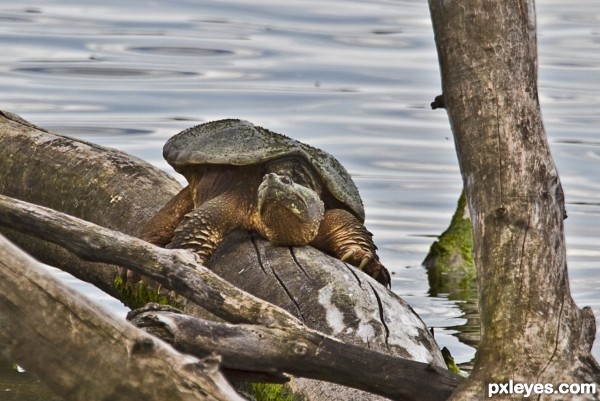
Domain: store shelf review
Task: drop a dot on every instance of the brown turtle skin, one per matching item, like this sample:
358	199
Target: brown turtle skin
283	198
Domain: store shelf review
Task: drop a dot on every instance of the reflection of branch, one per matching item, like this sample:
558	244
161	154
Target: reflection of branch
83	353
315	353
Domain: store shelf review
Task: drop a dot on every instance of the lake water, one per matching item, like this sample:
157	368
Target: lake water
354	78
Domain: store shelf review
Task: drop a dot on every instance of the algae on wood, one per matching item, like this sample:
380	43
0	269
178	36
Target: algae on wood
449	263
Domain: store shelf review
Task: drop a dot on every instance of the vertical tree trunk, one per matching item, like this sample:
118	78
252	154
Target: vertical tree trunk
532	331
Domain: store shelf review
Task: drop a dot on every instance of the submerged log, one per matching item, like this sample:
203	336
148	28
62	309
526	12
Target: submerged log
323	292
84	353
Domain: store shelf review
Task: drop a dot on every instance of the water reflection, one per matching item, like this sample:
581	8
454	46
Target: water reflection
19	385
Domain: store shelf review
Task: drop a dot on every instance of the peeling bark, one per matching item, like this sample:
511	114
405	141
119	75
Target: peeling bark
532	331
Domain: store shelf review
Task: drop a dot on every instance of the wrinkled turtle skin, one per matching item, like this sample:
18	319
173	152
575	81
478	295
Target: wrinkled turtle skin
246	177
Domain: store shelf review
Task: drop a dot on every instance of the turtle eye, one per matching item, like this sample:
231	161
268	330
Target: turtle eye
286	180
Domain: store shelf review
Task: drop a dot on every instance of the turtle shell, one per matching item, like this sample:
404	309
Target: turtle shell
241	143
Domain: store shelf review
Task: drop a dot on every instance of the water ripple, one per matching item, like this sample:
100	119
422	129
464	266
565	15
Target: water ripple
103	72
185	51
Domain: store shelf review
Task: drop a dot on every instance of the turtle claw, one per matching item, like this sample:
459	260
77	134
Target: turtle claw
367	262
364	262
347	256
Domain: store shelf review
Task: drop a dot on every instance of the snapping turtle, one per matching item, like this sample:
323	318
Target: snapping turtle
246	177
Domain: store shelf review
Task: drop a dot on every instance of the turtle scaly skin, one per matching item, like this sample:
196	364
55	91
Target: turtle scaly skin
246	177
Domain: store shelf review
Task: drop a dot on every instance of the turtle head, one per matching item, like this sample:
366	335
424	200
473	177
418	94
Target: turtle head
290	213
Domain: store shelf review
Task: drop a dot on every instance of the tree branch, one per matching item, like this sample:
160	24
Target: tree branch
175	269
300	353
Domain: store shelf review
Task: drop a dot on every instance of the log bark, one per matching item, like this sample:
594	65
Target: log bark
84	353
532	331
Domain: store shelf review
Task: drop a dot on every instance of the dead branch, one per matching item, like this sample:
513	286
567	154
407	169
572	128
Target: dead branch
301	353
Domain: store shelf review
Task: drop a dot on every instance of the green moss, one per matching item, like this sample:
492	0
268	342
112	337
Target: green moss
137	295
452	366
449	263
272	392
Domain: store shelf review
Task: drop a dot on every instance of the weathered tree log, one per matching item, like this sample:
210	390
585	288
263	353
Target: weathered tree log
329	296
101	185
532	331
371	313
84	353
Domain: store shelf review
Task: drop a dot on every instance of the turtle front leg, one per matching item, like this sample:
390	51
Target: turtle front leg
159	229
205	227
343	236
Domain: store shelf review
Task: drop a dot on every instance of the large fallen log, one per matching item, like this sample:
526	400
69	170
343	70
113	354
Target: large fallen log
83	353
323	292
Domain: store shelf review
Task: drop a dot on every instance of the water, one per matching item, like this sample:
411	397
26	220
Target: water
352	77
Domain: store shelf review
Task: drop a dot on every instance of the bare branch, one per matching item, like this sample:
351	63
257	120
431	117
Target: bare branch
301	353
175	269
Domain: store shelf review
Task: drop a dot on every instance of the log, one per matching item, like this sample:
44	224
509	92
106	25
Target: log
326	295
101	185
84	353
532	330
329	296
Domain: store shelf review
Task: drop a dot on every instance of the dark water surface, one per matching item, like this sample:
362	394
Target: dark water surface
352	77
